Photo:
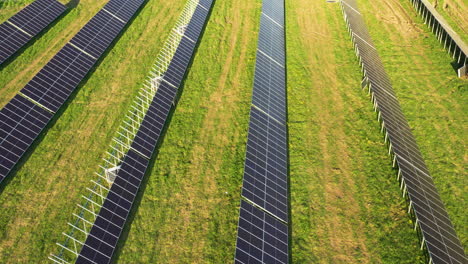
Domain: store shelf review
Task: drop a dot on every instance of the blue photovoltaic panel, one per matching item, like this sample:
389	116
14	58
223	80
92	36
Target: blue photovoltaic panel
104	27
205	3
271	40
439	235
11	40
179	63
196	23
262	233
20	123
98	34
265	171
26	24
54	83
152	125
275	10
38	15
104	235
269	88
261	238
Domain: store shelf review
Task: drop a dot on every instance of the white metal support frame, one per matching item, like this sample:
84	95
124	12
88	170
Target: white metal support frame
91	203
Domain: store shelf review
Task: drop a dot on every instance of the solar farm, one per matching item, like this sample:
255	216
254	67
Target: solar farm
209	131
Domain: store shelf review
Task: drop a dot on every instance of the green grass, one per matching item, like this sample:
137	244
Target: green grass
345	201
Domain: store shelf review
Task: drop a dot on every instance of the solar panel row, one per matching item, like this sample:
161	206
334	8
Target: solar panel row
57	80
263	230
436	228
103	237
444	33
26	24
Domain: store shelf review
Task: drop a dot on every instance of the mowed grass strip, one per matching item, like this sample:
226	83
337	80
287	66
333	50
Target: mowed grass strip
189	207
346	204
433	98
41	196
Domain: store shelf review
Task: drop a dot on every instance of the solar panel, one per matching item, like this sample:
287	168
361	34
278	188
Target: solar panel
100	243
265	171
153	123
103	237
55	82
26	24
437	230
269	88
179	63
21	121
262	233
196	23
11	40
98	34
261	238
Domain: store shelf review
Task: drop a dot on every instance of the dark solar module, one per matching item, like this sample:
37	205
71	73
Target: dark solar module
54	83
21	122
265	170
96	36
269	92
261	238
26	24
104	235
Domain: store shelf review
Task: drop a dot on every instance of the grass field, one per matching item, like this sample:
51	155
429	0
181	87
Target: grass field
345	200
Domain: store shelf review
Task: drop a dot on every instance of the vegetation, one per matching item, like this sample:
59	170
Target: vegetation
346	203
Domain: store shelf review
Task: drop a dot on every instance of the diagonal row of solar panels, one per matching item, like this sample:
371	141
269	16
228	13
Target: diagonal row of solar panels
437	230
57	80
26	24
263	230
104	235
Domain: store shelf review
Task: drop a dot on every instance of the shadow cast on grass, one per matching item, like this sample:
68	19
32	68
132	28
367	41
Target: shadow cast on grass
64	107
131	217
